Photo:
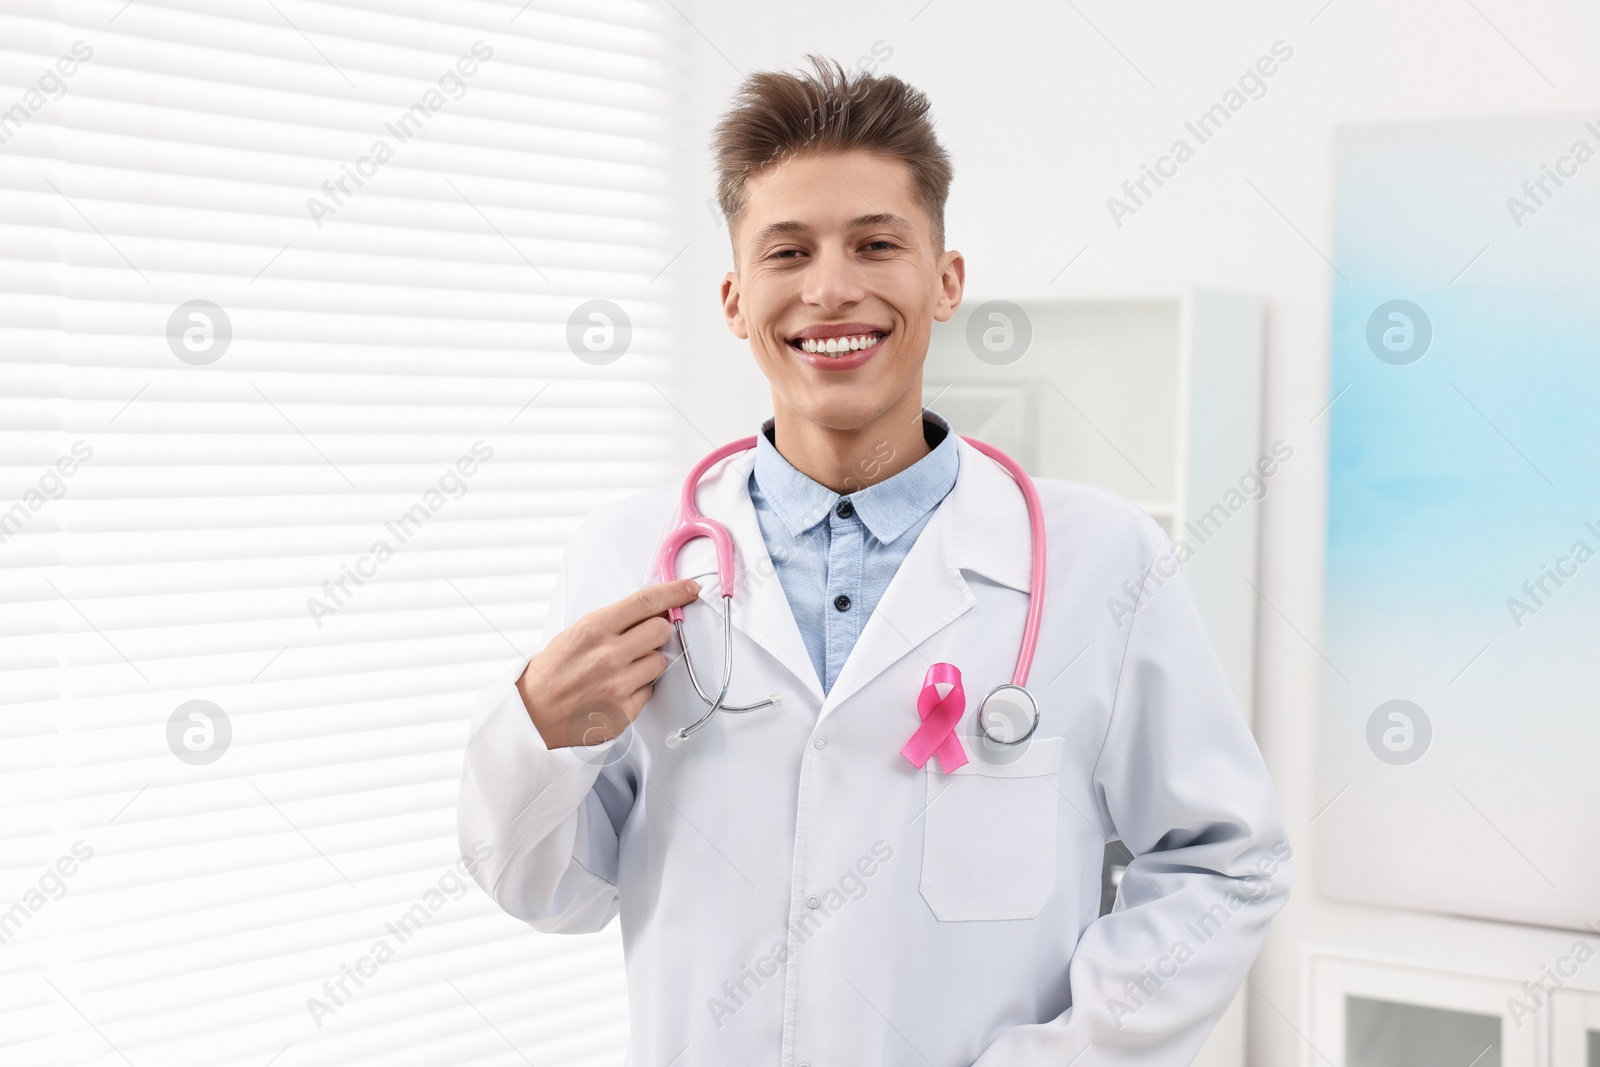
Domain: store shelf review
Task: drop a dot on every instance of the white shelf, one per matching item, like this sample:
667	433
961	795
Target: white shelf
1156	399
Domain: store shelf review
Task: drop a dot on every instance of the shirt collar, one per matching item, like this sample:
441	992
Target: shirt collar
888	508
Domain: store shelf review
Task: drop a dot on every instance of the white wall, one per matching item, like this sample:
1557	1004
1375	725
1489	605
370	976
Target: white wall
1047	109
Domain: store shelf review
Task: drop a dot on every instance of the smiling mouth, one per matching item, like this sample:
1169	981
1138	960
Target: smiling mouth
837	346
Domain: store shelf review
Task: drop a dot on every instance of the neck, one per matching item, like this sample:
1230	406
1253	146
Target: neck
849	460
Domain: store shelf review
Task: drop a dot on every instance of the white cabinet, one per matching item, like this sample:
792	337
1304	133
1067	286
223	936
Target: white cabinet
1369	1013
1157	399
1368	1010
1575	1029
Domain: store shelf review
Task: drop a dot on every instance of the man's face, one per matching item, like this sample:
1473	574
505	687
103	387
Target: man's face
836	246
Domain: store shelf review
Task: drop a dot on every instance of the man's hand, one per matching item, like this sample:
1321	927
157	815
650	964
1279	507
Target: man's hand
595	676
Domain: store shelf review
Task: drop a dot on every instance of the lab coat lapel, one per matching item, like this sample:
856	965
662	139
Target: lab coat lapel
761	611
981	525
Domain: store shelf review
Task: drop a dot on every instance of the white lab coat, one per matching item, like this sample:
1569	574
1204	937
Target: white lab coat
785	897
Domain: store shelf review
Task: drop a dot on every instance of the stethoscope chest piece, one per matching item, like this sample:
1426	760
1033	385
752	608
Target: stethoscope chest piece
1008	715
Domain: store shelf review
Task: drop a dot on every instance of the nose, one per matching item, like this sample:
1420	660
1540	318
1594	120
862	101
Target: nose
833	280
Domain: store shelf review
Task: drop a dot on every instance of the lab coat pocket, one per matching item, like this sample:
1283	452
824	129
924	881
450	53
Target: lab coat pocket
989	835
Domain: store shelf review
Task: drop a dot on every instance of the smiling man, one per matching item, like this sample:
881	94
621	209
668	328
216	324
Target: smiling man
840	266
795	886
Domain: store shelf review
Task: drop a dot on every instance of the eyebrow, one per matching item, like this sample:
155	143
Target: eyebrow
881	218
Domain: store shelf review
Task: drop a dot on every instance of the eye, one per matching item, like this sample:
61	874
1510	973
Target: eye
785	253
888	245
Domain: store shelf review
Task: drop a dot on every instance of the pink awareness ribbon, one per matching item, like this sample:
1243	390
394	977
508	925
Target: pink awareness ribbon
937	734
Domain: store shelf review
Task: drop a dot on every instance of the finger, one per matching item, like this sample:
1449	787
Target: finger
651	600
642	671
635	703
644	636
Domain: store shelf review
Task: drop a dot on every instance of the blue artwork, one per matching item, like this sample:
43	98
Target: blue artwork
1460	729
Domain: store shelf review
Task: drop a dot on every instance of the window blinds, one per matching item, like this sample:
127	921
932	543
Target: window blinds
323	326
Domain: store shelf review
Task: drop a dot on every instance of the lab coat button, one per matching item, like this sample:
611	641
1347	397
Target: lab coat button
821	742
813	902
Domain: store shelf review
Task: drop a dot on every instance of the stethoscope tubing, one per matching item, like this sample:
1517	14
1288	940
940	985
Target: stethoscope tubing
727	675
1036	576
691	524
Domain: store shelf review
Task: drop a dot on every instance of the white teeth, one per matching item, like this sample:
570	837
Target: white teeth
835	345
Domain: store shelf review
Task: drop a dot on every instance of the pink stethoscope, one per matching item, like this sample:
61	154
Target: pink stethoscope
1010	702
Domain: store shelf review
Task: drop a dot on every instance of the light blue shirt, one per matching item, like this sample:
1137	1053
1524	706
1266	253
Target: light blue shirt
835	554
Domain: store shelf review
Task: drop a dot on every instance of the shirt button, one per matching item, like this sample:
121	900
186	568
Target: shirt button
813	902
845	509
821	742
841	602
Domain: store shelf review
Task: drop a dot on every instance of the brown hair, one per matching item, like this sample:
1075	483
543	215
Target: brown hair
777	116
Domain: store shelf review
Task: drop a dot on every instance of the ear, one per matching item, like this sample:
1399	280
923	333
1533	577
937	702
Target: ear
731	311
952	283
